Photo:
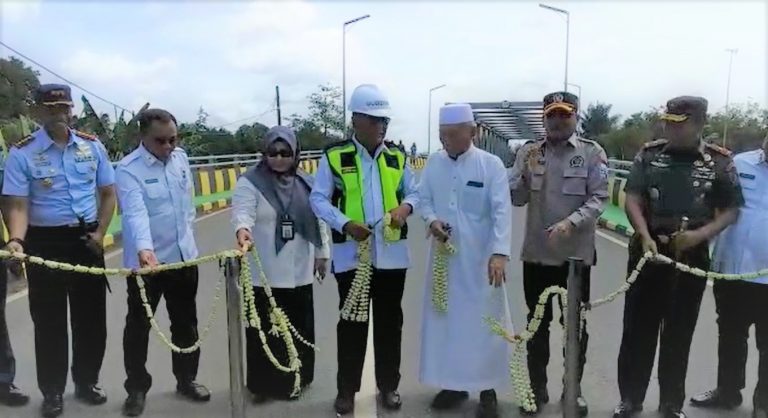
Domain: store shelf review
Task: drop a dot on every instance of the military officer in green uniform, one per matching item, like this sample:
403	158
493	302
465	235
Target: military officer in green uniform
681	193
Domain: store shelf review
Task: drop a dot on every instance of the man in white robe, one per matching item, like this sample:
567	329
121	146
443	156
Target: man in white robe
464	198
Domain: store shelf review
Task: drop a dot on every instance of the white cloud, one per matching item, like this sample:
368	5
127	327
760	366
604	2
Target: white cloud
18	10
110	68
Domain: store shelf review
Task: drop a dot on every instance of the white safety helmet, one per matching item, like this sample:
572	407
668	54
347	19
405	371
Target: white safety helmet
369	100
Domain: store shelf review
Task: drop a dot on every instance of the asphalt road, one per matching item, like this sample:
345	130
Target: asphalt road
214	234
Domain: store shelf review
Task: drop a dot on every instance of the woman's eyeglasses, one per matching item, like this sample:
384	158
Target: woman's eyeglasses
281	153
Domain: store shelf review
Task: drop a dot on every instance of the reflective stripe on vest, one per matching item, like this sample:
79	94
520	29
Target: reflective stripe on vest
346	165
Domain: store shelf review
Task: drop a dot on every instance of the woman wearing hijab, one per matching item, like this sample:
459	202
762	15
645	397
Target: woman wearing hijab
271	203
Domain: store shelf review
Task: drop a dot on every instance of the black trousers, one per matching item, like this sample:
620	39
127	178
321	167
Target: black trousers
536	278
179	287
662	300
740	305
7	361
352	337
262	376
48	293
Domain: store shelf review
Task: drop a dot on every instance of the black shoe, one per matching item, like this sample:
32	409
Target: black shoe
489	406
391	400
541	397
259	398
90	394
581	404
10	395
134	404
344	404
626	409
448	399
193	391
53	406
668	411
717	398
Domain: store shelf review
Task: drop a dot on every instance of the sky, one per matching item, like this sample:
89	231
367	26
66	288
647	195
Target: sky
228	56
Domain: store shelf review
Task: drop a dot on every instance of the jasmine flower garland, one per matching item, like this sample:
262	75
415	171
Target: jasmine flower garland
440	275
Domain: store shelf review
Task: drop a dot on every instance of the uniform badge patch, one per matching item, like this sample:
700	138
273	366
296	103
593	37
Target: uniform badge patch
576	162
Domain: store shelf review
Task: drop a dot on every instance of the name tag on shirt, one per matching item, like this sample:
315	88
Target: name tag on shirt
151	181
84	158
747	176
286	228
478	184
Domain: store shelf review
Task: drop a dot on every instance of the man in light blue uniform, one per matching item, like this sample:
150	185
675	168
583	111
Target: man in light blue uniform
59	188
743	248
155	188
369	159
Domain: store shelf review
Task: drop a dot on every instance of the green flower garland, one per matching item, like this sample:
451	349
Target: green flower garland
440	275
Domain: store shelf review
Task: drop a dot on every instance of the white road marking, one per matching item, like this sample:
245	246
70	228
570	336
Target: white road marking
108	256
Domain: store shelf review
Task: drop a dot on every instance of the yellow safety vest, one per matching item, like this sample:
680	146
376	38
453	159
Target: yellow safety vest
346	166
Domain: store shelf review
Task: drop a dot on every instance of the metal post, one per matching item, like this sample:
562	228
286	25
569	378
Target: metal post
429	125
277	101
235	331
344	75
572	341
567	42
732	51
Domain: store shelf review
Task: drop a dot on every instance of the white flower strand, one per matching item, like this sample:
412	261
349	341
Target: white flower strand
440	275
356	304
208	323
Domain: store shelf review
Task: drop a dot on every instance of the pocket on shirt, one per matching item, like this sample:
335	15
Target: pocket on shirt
537	178
154	191
87	170
575	181
473	201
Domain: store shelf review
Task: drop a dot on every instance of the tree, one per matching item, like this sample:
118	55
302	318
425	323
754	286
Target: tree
249	138
598	120
747	127
17	83
326	110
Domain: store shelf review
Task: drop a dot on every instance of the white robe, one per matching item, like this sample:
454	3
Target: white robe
458	350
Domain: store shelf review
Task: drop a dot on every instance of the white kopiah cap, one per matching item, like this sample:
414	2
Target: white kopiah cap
453	114
369	100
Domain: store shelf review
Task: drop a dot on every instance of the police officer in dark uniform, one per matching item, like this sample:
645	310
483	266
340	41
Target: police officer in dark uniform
681	193
60	199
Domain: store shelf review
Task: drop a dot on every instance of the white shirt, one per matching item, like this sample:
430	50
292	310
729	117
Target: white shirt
743	246
157	207
386	255
294	265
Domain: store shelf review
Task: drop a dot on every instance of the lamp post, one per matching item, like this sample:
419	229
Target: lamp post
429	119
567	37
344	66
733	52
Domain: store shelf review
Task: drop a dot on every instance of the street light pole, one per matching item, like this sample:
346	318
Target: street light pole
567	37
429	119
733	52
344	66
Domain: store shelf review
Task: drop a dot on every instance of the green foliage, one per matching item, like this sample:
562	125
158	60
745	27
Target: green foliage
17	83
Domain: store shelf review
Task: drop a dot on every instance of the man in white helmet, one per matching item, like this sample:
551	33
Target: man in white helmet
358	182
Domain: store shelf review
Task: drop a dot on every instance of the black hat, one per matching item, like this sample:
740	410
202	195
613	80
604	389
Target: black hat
681	108
561	100
53	94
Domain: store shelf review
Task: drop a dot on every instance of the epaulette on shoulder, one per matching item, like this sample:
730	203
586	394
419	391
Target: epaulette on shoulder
24	141
86	136
586	140
656	143
333	145
719	149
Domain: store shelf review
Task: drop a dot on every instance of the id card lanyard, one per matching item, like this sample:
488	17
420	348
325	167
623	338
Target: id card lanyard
287	231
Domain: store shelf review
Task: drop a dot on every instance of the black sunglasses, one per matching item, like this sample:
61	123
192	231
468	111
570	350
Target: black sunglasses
282	153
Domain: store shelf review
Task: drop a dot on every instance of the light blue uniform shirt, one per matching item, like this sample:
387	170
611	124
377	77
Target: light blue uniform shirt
743	246
60	183
390	255
157	207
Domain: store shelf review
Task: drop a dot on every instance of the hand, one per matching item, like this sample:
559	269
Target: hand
649	245
496	266
438	230
147	258
244	239
400	214
357	230
15	265
560	229
686	240
321	267
95	241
